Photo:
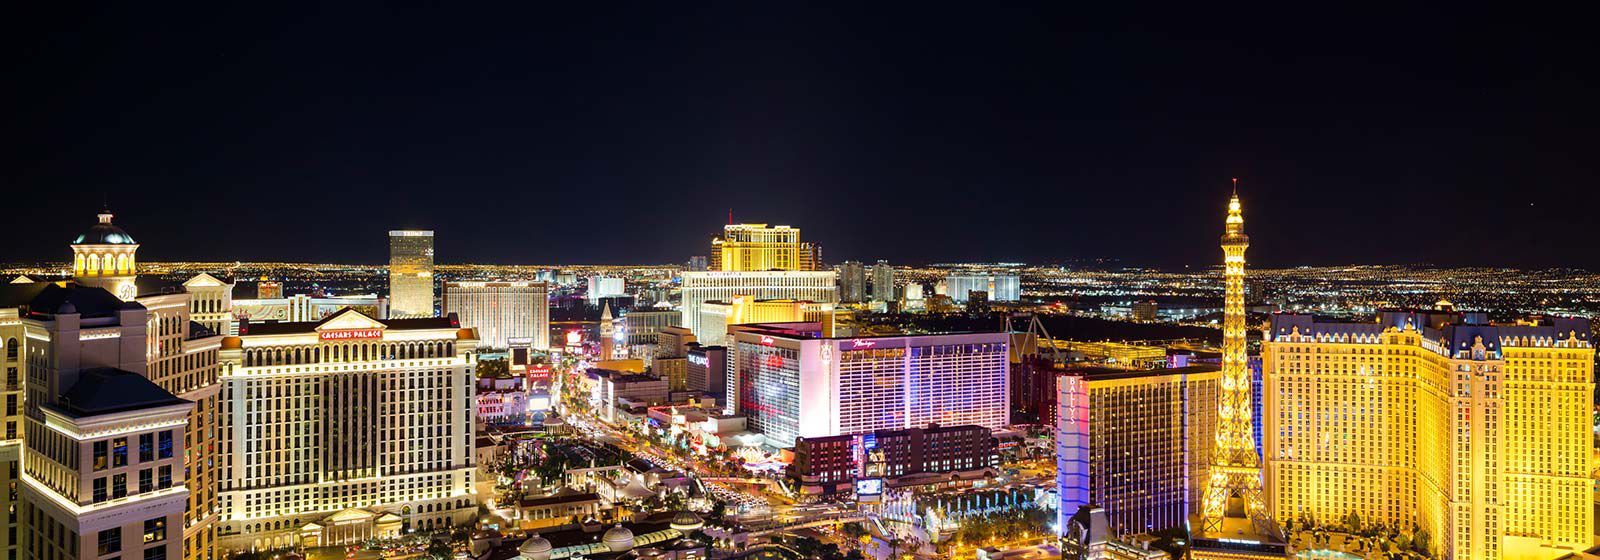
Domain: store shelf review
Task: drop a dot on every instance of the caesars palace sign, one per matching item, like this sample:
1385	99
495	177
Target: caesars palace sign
350	334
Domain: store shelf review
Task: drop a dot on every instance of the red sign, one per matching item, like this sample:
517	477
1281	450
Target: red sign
767	340
539	372
350	334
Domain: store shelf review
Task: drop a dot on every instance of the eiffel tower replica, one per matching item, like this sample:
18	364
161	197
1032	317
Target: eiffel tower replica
1234	521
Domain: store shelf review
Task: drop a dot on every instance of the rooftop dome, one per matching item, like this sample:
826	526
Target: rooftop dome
105	233
686	521
536	548
618	539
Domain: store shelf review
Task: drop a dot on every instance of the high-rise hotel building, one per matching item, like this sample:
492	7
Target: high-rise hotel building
502	311
103	470
1479	433
1000	287
110	363
756	248
346	429
1135	442
411	273
852	282
701	287
883	282
791	381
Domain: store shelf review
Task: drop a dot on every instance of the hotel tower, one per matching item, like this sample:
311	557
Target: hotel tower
411	273
1475	434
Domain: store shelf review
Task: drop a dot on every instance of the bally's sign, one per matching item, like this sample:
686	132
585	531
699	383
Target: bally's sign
350	334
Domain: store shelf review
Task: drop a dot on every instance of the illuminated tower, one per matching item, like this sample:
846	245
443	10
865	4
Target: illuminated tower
607	332
411	273
1234	490
103	257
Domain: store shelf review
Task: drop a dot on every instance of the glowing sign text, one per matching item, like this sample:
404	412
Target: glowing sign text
350	334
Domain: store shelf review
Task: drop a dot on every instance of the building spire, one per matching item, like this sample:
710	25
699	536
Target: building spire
1235	221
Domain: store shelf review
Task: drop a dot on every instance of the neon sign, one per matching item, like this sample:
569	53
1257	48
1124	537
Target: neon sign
350	334
699	360
767	340
858	343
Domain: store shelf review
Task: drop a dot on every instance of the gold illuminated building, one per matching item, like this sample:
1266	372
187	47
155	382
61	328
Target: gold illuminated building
757	248
1477	433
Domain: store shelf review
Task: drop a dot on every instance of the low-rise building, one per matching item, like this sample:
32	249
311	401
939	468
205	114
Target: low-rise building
827	465
617	389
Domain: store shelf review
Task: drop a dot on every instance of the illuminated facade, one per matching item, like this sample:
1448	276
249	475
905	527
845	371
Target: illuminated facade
810	256
883	282
852	282
756	248
701	287
211	302
268	289
103	257
12	361
1135	442
344	430
1002	287
183	360
717	316
103	468
502	311
411	273
180	359
640	326
300	308
1479	433
605	286
790	381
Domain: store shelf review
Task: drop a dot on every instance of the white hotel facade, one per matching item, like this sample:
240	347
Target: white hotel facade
701	287
345	429
790	381
502	311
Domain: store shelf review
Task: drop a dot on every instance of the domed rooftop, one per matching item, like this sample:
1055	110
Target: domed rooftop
536	548
105	233
686	521
618	539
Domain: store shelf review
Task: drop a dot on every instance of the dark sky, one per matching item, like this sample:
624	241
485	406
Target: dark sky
916	133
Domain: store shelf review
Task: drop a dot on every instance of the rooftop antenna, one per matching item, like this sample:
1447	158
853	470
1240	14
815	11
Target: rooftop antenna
1235	186
730	216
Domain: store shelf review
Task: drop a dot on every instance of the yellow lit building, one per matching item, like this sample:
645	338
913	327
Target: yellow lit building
1476	432
756	248
717	316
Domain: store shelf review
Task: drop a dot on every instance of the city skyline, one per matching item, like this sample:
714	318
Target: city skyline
921	283
1086	145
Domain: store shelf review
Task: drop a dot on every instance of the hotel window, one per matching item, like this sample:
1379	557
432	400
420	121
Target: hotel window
155	530
100	455
119	485
166	444
100	489
110	541
119	452
147	447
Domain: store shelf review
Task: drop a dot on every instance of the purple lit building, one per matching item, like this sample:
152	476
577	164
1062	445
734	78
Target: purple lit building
791	382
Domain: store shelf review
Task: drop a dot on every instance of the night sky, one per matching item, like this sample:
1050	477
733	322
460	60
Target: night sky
912	133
